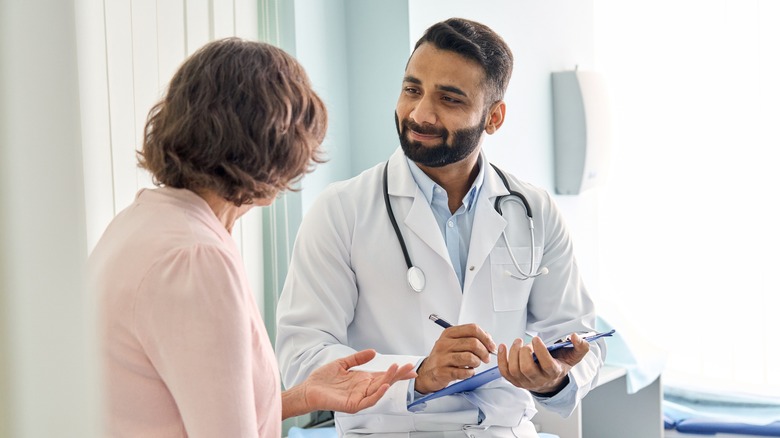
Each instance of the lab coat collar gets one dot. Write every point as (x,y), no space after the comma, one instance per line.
(401,182)
(428,186)
(419,217)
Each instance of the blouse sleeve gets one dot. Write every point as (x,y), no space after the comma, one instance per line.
(194,324)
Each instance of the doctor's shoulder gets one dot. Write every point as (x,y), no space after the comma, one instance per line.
(345,199)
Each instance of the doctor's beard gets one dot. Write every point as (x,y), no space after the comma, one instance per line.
(464,142)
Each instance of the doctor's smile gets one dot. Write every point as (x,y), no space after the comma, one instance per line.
(423,133)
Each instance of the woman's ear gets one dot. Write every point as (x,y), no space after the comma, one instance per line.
(495,117)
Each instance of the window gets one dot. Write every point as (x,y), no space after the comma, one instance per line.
(690,226)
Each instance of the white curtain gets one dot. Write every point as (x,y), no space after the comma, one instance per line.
(128,52)
(689,222)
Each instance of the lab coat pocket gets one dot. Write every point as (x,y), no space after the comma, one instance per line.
(510,293)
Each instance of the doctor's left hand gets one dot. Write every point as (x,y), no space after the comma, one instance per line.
(549,374)
(333,387)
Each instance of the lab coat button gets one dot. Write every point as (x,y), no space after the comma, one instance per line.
(471,268)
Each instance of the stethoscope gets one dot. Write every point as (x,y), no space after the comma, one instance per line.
(416,277)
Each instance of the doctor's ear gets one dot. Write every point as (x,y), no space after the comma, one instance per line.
(495,117)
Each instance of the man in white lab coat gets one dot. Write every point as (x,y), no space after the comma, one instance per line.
(347,288)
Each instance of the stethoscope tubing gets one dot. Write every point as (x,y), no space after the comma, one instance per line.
(393,221)
(416,277)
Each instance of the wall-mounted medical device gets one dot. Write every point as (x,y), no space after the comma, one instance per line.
(582,125)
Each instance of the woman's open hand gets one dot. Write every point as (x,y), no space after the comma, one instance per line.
(333,387)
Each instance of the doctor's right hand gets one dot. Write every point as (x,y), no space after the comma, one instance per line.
(458,351)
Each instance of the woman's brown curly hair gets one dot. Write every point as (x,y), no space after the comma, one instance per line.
(239,118)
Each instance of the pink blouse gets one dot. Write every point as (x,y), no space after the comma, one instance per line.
(184,348)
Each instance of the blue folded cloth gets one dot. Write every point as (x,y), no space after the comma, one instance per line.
(685,403)
(710,427)
(669,422)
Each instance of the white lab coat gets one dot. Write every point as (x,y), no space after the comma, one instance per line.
(346,290)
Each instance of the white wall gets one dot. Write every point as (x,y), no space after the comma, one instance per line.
(47,345)
(354,52)
(378,46)
(321,47)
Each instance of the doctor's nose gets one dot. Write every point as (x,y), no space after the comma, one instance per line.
(423,112)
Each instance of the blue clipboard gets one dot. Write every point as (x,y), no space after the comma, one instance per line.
(567,342)
(491,374)
(469,384)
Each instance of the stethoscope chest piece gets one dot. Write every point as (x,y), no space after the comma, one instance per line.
(416,278)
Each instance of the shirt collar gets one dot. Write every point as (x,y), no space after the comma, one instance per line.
(428,186)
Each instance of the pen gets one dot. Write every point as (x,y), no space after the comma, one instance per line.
(435,318)
(444,324)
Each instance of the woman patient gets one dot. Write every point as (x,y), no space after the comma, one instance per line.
(184,348)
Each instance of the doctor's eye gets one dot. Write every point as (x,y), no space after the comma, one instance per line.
(410,90)
(450,99)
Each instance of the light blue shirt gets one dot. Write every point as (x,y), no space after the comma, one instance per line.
(455,227)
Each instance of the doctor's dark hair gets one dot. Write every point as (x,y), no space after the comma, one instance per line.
(239,118)
(479,43)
